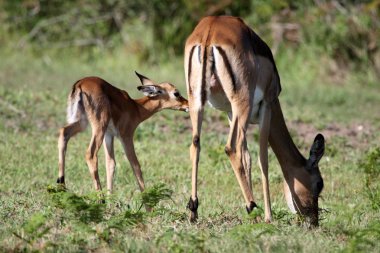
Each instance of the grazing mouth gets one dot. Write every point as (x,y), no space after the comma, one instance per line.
(179,109)
(311,215)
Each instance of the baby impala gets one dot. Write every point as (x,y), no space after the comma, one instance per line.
(111,113)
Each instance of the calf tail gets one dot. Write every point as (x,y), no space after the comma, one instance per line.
(75,107)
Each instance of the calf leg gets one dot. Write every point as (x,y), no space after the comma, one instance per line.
(65,133)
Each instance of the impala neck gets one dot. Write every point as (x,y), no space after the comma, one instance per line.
(282,144)
(147,107)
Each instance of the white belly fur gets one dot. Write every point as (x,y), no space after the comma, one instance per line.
(219,101)
(289,198)
(111,129)
(255,113)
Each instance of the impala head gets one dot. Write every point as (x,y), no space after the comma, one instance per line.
(308,184)
(168,95)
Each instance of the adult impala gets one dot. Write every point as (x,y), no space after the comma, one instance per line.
(229,66)
(111,113)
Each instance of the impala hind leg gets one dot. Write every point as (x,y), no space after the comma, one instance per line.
(237,151)
(92,154)
(264,128)
(110,161)
(65,133)
(196,117)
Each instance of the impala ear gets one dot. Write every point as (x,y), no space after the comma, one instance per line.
(150,90)
(144,80)
(316,152)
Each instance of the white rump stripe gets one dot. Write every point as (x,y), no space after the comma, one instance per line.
(196,79)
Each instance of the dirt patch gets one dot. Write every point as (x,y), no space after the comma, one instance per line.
(357,135)
(354,135)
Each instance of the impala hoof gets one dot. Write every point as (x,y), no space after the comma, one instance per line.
(193,216)
(193,206)
(101,201)
(61,180)
(251,206)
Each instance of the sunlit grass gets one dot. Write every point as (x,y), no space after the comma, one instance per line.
(37,86)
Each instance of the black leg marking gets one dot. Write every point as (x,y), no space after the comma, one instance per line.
(189,68)
(203,87)
(196,141)
(228,66)
(61,180)
(193,204)
(228,151)
(251,206)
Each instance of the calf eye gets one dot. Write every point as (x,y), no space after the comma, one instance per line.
(176,94)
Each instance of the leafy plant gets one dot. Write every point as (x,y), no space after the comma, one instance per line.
(84,214)
(152,196)
(82,208)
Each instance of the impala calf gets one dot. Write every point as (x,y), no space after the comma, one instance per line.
(228,65)
(111,113)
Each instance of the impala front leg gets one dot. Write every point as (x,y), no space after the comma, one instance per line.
(246,158)
(110,161)
(247,165)
(265,117)
(129,149)
(237,151)
(195,147)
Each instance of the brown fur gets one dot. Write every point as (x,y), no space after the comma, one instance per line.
(112,112)
(236,64)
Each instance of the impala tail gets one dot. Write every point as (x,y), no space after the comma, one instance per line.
(199,60)
(75,108)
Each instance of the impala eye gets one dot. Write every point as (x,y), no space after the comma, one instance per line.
(176,94)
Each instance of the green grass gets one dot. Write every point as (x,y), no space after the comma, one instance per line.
(36,217)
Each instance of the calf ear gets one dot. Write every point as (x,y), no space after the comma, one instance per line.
(144,80)
(149,90)
(316,152)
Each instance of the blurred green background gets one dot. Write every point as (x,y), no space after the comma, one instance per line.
(346,31)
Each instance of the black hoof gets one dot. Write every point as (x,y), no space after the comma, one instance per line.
(250,207)
(193,206)
(61,180)
(101,201)
(193,216)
